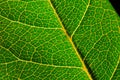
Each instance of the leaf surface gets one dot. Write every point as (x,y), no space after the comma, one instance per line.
(59,39)
(97,37)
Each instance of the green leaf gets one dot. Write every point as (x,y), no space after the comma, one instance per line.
(59,40)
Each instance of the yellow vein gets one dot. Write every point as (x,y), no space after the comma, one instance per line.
(70,39)
(28,24)
(42,64)
(81,20)
(50,64)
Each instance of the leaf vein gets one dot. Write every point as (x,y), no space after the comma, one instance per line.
(81,19)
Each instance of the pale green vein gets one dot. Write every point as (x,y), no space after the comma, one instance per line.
(22,1)
(81,20)
(10,52)
(51,65)
(115,68)
(29,25)
(18,59)
(57,66)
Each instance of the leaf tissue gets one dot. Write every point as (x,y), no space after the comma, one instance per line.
(59,40)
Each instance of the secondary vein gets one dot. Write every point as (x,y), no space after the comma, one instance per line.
(31,26)
(81,20)
(42,64)
(115,68)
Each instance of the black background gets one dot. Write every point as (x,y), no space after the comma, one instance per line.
(116,5)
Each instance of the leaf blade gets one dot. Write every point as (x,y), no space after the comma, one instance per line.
(36,45)
(99,31)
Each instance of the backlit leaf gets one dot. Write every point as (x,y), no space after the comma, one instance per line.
(59,40)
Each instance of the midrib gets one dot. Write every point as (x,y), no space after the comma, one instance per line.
(70,39)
